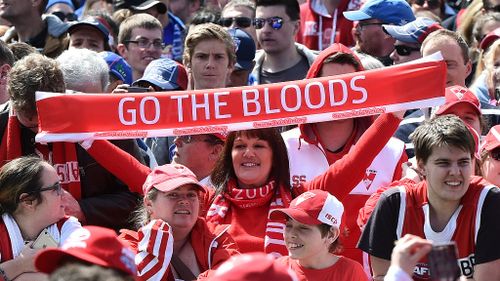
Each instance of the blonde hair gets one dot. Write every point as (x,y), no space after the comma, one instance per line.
(208,31)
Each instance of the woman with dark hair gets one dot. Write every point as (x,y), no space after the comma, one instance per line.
(32,215)
(252,178)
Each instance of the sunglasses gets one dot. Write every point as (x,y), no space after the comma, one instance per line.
(69,16)
(432,4)
(495,154)
(362,25)
(190,139)
(275,22)
(404,50)
(242,22)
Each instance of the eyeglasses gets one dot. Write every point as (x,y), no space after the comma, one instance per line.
(56,186)
(362,25)
(432,4)
(495,154)
(145,43)
(242,22)
(275,22)
(404,50)
(62,16)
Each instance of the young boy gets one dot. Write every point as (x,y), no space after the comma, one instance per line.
(311,237)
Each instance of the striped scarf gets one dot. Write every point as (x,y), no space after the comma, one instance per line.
(277,198)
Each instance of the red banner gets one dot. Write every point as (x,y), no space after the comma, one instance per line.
(76,117)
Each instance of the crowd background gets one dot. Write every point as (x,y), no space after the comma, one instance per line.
(361,198)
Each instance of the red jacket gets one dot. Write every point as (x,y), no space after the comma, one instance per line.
(212,245)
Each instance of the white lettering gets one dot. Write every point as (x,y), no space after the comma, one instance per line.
(268,104)
(246,101)
(307,95)
(332,92)
(142,110)
(180,113)
(298,96)
(360,89)
(219,104)
(203,105)
(132,112)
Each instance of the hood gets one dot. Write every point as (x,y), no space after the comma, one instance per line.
(306,131)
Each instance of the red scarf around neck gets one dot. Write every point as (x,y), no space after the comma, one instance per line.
(62,157)
(277,198)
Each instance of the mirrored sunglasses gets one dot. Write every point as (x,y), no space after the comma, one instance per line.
(275,22)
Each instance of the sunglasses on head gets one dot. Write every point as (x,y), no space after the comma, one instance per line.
(275,22)
(62,16)
(495,154)
(242,22)
(404,50)
(432,4)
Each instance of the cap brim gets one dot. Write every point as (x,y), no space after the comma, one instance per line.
(172,184)
(50,259)
(398,33)
(491,146)
(163,85)
(246,65)
(295,214)
(160,6)
(445,107)
(356,15)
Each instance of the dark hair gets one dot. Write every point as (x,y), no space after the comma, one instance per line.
(205,15)
(344,58)
(21,175)
(442,131)
(336,246)
(443,34)
(6,55)
(21,49)
(33,73)
(280,171)
(480,21)
(292,7)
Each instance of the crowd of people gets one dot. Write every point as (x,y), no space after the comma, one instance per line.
(360,198)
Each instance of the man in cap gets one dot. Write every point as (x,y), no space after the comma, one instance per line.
(164,74)
(90,33)
(409,38)
(120,71)
(368,33)
(245,54)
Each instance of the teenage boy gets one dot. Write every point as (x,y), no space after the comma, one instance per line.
(449,204)
(311,237)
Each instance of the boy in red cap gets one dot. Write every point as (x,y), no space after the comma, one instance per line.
(311,237)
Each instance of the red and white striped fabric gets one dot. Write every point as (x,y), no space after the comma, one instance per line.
(154,251)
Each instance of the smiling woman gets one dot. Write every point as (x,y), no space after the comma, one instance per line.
(31,206)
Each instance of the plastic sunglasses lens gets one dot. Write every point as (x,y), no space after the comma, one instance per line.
(276,23)
(243,22)
(259,23)
(402,50)
(226,22)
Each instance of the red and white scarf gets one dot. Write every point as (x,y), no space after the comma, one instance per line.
(62,157)
(277,198)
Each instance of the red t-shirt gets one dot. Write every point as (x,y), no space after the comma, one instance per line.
(344,269)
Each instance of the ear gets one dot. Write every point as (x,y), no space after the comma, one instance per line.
(4,73)
(468,67)
(296,27)
(122,50)
(421,166)
(333,234)
(216,151)
(148,204)
(25,201)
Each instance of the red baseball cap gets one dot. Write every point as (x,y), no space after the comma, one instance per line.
(314,208)
(92,244)
(253,266)
(458,94)
(492,139)
(489,39)
(169,177)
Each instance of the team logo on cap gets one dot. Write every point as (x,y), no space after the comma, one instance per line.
(237,43)
(459,92)
(369,177)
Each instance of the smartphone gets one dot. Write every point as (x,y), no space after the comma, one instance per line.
(44,240)
(443,263)
(135,89)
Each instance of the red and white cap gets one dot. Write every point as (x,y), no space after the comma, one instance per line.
(169,177)
(313,207)
(92,244)
(253,266)
(458,94)
(492,139)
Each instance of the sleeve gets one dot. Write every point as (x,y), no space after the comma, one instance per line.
(343,175)
(118,162)
(377,239)
(226,247)
(154,251)
(70,225)
(398,172)
(395,273)
(487,246)
(106,201)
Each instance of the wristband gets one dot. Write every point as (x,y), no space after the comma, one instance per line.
(3,275)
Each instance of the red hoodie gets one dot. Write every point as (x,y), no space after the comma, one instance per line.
(376,173)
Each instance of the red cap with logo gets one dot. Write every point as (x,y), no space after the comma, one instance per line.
(313,207)
(458,94)
(92,244)
(253,266)
(492,139)
(169,177)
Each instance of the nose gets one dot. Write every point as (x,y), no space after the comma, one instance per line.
(394,56)
(210,62)
(233,24)
(454,169)
(248,152)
